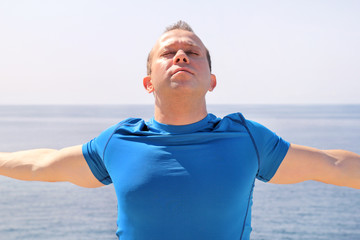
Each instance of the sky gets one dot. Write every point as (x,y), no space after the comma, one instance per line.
(263,51)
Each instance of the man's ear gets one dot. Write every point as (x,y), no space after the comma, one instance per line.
(148,84)
(212,82)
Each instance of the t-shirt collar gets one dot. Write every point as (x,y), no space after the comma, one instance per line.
(179,129)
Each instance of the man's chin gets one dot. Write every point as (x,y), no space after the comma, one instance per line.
(182,83)
(185,88)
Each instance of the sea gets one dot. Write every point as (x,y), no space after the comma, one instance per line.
(303,211)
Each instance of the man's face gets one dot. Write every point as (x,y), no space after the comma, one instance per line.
(179,65)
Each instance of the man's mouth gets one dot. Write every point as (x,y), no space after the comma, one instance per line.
(178,70)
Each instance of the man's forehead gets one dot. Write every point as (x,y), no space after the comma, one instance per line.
(179,37)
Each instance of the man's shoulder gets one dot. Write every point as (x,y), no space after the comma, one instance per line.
(236,118)
(130,122)
(130,126)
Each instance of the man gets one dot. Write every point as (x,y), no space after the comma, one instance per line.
(185,174)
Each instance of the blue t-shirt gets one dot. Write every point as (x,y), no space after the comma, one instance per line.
(185,182)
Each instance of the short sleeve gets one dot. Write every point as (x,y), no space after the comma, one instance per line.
(93,152)
(271,150)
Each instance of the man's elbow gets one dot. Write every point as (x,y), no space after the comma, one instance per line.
(344,170)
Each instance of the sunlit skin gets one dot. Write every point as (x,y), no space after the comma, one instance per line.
(180,78)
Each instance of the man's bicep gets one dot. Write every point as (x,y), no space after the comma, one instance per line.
(69,165)
(303,163)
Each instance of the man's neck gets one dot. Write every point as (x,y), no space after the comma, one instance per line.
(180,112)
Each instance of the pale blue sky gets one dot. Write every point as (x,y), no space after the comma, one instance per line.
(94,51)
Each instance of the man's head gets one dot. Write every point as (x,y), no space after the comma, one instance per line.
(180,67)
(180,25)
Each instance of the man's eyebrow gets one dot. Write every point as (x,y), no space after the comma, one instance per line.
(174,44)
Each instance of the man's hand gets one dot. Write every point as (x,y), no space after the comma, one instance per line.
(49,165)
(337,167)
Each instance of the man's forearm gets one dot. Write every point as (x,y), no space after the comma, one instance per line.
(25,165)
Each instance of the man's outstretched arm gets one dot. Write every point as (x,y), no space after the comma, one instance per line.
(337,167)
(49,165)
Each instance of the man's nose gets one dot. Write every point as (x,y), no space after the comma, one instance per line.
(181,57)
